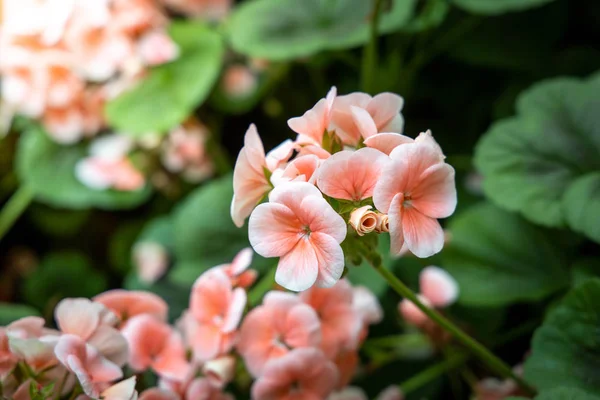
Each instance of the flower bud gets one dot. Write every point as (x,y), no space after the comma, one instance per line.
(383,224)
(363,220)
(220,371)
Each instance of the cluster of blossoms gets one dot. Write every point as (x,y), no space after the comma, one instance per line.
(295,346)
(349,165)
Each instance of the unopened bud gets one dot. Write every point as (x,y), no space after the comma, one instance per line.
(363,220)
(220,371)
(383,223)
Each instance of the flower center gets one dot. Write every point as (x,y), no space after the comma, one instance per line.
(305,232)
(407,202)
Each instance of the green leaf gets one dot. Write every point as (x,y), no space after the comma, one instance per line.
(566,348)
(498,258)
(581,206)
(204,234)
(432,15)
(49,170)
(561,394)
(60,275)
(170,92)
(289,29)
(530,161)
(584,270)
(11,312)
(494,7)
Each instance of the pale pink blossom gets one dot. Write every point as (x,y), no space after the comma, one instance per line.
(301,169)
(416,187)
(205,9)
(158,394)
(346,363)
(312,126)
(154,344)
(301,374)
(220,371)
(351,175)
(250,184)
(91,368)
(238,271)
(184,151)
(127,304)
(363,220)
(365,303)
(30,342)
(239,81)
(301,228)
(156,47)
(215,312)
(413,314)
(151,260)
(271,330)
(438,286)
(124,390)
(348,113)
(340,323)
(280,154)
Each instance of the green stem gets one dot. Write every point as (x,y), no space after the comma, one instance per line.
(431,373)
(14,207)
(369,62)
(262,287)
(495,364)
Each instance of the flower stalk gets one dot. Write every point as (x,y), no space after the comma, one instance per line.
(14,207)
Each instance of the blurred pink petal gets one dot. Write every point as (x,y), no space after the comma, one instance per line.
(438,286)
(411,313)
(312,125)
(129,303)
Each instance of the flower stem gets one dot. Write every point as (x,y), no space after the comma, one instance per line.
(493,362)
(14,207)
(369,61)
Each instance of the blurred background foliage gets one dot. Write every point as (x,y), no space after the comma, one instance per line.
(509,91)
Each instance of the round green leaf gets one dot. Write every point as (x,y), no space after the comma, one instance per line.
(288,29)
(585,269)
(581,206)
(170,92)
(530,161)
(60,275)
(561,394)
(12,312)
(494,7)
(498,258)
(566,348)
(49,170)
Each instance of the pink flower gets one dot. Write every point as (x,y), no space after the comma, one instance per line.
(30,342)
(301,169)
(301,374)
(130,303)
(220,371)
(351,175)
(151,260)
(158,394)
(124,390)
(314,123)
(238,271)
(94,324)
(204,389)
(415,189)
(250,184)
(349,393)
(239,81)
(340,323)
(347,115)
(271,330)
(154,344)
(298,225)
(438,286)
(346,362)
(184,152)
(412,313)
(157,48)
(215,312)
(90,367)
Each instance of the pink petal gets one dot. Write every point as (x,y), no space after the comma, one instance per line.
(435,195)
(395,220)
(158,394)
(110,343)
(424,236)
(364,122)
(79,317)
(129,303)
(211,296)
(280,154)
(303,328)
(411,313)
(385,110)
(365,303)
(146,337)
(171,362)
(242,261)
(206,342)
(330,257)
(352,175)
(124,390)
(386,142)
(273,230)
(438,286)
(99,368)
(235,311)
(321,217)
(299,268)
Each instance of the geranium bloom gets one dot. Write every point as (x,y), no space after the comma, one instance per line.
(301,374)
(384,109)
(301,169)
(415,189)
(129,303)
(90,367)
(154,344)
(438,286)
(351,175)
(269,331)
(30,342)
(184,152)
(157,48)
(151,260)
(412,313)
(238,270)
(314,123)
(340,323)
(239,81)
(220,371)
(298,225)
(215,312)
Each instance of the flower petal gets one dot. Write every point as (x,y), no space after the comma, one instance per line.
(438,286)
(435,195)
(424,236)
(273,229)
(298,269)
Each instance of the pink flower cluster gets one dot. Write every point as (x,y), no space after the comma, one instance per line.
(61,60)
(349,164)
(295,346)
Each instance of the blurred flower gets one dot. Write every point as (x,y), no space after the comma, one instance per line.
(239,81)
(238,270)
(127,304)
(151,260)
(184,152)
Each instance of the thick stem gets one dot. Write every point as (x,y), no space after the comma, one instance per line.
(369,62)
(14,207)
(493,362)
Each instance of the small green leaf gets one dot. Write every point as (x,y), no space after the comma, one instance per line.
(49,170)
(11,312)
(494,7)
(585,269)
(60,275)
(170,92)
(566,348)
(581,206)
(498,258)
(303,28)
